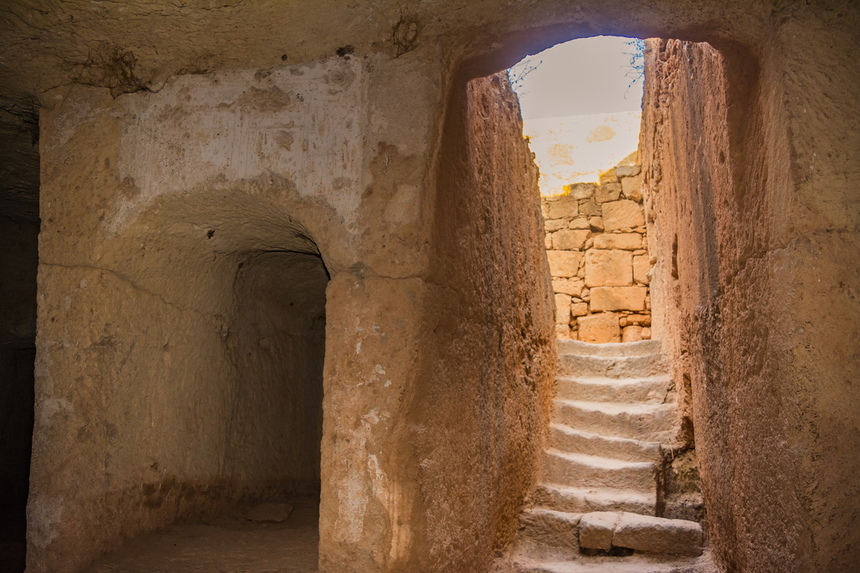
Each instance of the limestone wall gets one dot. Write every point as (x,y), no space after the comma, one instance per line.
(153,134)
(181,307)
(597,244)
(193,352)
(491,354)
(757,242)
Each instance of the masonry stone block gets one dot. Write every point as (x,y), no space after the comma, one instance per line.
(581,190)
(599,328)
(626,241)
(618,298)
(568,239)
(641,266)
(562,308)
(552,225)
(632,187)
(580,223)
(631,333)
(563,207)
(607,192)
(628,170)
(657,535)
(578,309)
(563,264)
(610,176)
(622,214)
(572,287)
(596,528)
(608,268)
(589,207)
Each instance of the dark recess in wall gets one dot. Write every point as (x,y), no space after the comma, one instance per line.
(19,233)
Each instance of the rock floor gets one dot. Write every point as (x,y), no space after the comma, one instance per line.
(224,544)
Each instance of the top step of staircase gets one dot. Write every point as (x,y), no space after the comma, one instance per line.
(610,349)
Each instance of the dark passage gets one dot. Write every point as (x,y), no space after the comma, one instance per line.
(16,431)
(19,233)
(278,344)
(18,262)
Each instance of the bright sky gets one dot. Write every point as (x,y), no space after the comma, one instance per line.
(581,109)
(581,77)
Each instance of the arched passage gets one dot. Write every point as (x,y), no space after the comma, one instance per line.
(201,347)
(277,343)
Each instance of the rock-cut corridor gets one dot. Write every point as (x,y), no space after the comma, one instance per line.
(281,252)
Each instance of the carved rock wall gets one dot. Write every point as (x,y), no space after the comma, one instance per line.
(745,230)
(766,261)
(188,238)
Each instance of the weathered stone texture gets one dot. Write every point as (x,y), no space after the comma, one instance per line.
(488,321)
(599,327)
(582,253)
(641,268)
(631,333)
(322,130)
(753,198)
(564,264)
(622,214)
(221,397)
(608,268)
(626,241)
(632,187)
(655,535)
(563,208)
(596,529)
(569,239)
(562,308)
(573,287)
(618,298)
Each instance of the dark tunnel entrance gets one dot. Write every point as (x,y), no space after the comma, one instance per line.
(19,235)
(277,341)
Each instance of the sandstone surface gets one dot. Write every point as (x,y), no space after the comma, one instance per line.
(337,153)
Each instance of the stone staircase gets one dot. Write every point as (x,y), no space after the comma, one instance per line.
(596,507)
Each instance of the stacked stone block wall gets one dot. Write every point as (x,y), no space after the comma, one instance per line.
(597,245)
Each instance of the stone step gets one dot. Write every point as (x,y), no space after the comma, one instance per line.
(548,534)
(639,348)
(647,422)
(643,533)
(588,499)
(579,470)
(566,439)
(612,366)
(633,564)
(648,389)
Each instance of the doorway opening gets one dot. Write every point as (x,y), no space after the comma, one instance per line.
(277,343)
(236,399)
(582,106)
(19,235)
(616,389)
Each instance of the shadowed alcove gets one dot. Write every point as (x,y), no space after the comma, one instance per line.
(277,340)
(212,406)
(19,236)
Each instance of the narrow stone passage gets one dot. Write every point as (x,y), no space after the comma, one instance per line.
(597,505)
